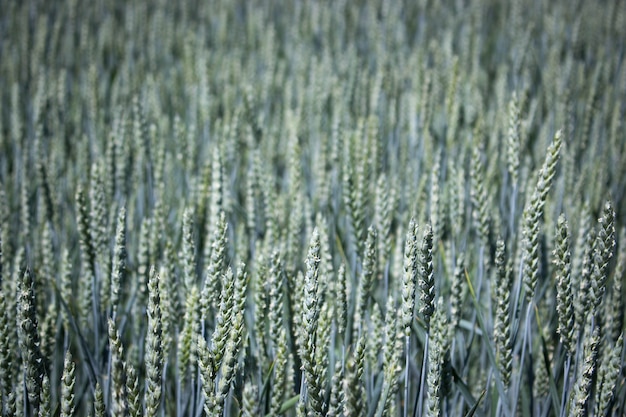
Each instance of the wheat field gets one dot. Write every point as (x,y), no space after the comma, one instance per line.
(312,208)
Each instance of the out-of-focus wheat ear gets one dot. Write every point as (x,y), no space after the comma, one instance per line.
(65,287)
(99,406)
(585,378)
(513,140)
(426,93)
(366,281)
(341,301)
(261,294)
(533,213)
(355,400)
(98,215)
(159,227)
(88,255)
(171,296)
(119,392)
(615,306)
(188,249)
(456,197)
(276,296)
(140,132)
(590,110)
(479,198)
(25,221)
(541,381)
(215,267)
(143,272)
(582,302)
(603,252)
(351,196)
(426,279)
(48,335)
(28,336)
(436,204)
(216,204)
(607,378)
(47,270)
(295,215)
(44,398)
(452,103)
(111,163)
(154,348)
(376,336)
(271,224)
(564,297)
(502,322)
(4,231)
(68,380)
(457,293)
(121,155)
(186,347)
(241,245)
(280,382)
(385,206)
(392,358)
(223,318)
(335,402)
(118,266)
(207,374)
(251,200)
(249,400)
(87,258)
(409,277)
(18,398)
(135,407)
(579,247)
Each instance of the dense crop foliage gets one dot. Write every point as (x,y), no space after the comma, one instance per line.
(312,208)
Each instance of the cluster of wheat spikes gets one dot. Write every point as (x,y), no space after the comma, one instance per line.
(312,208)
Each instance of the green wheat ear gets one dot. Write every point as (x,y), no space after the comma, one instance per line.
(607,377)
(119,392)
(310,319)
(28,337)
(154,347)
(427,278)
(67,388)
(565,300)
(502,323)
(409,278)
(45,400)
(99,406)
(604,249)
(533,214)
(366,280)
(584,381)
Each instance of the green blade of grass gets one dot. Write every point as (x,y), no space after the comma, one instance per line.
(472,410)
(289,404)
